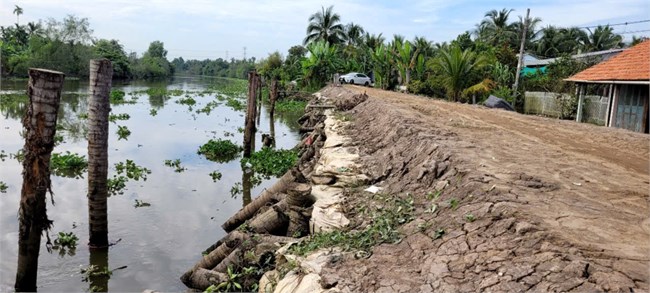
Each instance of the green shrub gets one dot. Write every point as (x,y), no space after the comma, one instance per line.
(117,97)
(290,106)
(220,150)
(271,162)
(68,165)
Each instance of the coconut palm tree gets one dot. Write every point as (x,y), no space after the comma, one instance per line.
(455,65)
(18,11)
(570,40)
(548,43)
(353,34)
(424,46)
(531,32)
(494,28)
(373,41)
(325,25)
(602,38)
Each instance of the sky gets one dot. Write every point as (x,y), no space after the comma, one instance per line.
(200,29)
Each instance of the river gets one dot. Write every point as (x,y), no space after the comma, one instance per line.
(159,242)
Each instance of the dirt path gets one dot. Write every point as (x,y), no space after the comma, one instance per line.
(559,205)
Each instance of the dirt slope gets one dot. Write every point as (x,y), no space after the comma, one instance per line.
(543,204)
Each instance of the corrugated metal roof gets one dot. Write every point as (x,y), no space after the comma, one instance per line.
(541,62)
(632,64)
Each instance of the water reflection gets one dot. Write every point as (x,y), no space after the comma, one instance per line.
(272,129)
(158,101)
(15,110)
(169,234)
(98,282)
(246,185)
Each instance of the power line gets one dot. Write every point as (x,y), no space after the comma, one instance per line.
(617,24)
(632,32)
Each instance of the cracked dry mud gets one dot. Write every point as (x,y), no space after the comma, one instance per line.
(555,205)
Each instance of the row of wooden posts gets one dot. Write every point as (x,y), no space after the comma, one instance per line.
(252,110)
(39,122)
(44,91)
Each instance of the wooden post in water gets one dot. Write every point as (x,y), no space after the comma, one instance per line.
(251,113)
(260,83)
(101,74)
(273,95)
(44,91)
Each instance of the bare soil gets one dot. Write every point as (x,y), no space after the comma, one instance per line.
(542,204)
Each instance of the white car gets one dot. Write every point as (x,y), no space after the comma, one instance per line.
(355,78)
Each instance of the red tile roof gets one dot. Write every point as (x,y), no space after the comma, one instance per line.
(631,64)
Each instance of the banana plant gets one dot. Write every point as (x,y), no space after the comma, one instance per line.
(381,58)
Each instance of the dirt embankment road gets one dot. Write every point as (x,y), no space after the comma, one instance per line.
(559,205)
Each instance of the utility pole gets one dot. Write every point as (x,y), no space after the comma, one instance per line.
(521,57)
(244,53)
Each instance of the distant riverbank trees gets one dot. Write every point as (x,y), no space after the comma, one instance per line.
(68,46)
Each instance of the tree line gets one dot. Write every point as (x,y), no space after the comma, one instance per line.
(479,62)
(68,45)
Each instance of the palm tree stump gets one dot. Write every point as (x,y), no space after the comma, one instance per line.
(101,73)
(44,91)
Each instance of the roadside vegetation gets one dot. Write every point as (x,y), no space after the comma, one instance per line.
(480,62)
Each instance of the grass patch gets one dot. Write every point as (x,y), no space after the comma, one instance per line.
(153,112)
(215,175)
(68,165)
(176,164)
(384,222)
(3,187)
(208,107)
(123,132)
(157,92)
(290,105)
(189,101)
(132,170)
(235,104)
(236,189)
(118,97)
(220,150)
(272,162)
(229,86)
(65,243)
(115,117)
(116,185)
(175,92)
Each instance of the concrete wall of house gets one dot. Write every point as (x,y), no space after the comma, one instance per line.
(549,104)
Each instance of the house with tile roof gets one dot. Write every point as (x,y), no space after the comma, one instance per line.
(628,77)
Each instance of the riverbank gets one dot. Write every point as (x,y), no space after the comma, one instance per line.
(501,201)
(428,195)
